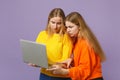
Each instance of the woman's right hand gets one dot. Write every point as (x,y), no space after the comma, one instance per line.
(33,65)
(66,62)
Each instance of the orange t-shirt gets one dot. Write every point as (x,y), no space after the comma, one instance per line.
(87,64)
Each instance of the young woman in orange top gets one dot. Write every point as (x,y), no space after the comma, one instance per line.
(87,52)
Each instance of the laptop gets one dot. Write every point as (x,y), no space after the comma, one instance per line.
(33,52)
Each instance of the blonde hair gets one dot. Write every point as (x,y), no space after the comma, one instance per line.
(86,33)
(56,12)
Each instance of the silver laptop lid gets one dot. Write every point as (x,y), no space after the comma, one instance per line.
(34,52)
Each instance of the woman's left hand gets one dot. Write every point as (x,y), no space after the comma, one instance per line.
(58,69)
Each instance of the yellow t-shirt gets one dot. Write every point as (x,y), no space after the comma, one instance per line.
(58,47)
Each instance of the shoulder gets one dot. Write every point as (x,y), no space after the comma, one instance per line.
(42,33)
(41,36)
(66,37)
(83,43)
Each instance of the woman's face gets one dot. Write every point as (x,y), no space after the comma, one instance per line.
(55,24)
(72,29)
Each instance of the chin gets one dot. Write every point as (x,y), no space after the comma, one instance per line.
(71,35)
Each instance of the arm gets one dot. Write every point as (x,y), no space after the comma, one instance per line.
(79,69)
(85,61)
(83,69)
(67,48)
(66,51)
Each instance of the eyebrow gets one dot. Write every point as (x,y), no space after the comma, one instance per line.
(57,22)
(69,26)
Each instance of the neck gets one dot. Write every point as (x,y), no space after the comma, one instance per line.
(74,40)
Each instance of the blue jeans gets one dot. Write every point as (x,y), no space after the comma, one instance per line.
(45,77)
(101,78)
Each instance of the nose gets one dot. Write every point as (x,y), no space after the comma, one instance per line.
(68,30)
(55,26)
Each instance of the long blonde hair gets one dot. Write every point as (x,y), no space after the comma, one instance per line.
(56,12)
(86,33)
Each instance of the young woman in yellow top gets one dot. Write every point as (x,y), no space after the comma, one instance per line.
(57,42)
(87,52)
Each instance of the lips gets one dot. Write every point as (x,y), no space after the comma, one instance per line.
(69,33)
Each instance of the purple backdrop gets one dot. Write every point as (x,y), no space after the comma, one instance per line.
(25,18)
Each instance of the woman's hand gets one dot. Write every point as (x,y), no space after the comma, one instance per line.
(58,69)
(33,65)
(67,62)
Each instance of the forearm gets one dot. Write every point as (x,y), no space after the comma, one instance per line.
(57,69)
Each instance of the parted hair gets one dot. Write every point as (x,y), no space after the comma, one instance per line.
(56,12)
(86,33)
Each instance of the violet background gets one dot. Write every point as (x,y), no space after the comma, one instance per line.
(25,18)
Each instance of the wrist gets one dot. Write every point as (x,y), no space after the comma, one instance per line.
(65,71)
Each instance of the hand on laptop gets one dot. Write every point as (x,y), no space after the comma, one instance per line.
(58,68)
(33,65)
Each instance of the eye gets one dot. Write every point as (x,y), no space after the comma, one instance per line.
(70,26)
(53,22)
(59,23)
(66,26)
